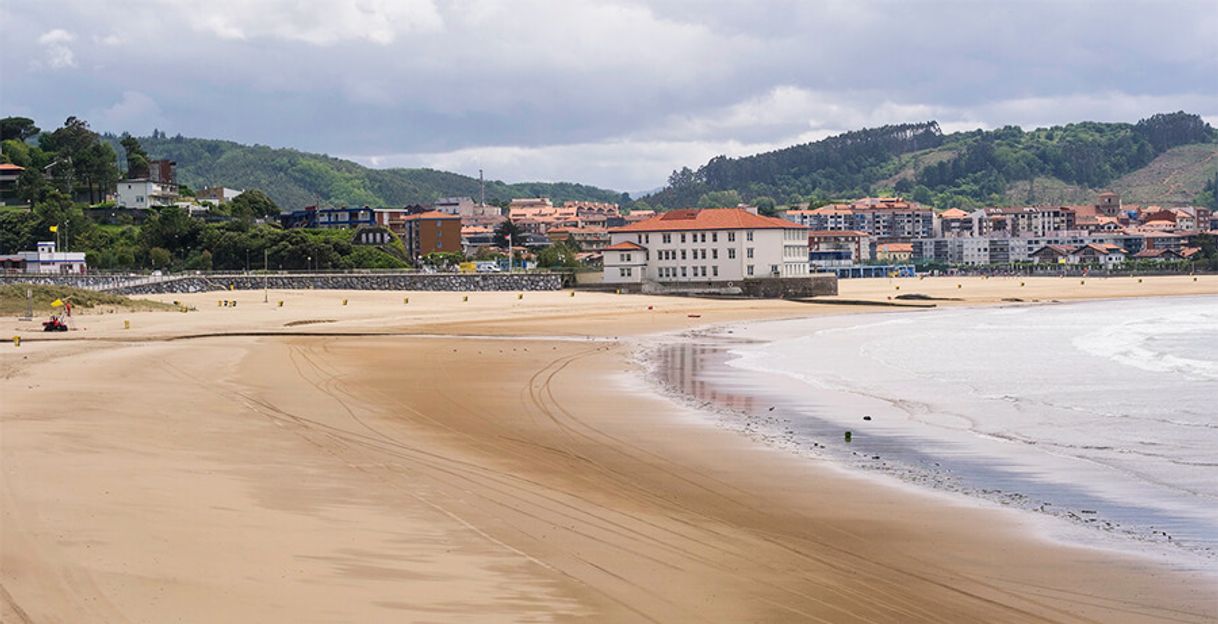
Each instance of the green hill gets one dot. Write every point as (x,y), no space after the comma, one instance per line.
(295,179)
(1165,159)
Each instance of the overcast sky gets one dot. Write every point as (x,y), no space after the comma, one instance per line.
(607,92)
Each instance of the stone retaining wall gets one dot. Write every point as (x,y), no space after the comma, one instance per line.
(358,281)
(817,285)
(87,282)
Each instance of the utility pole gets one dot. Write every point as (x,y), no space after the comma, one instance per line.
(265,266)
(481,190)
(509,251)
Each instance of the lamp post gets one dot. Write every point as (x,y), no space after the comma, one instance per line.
(265,266)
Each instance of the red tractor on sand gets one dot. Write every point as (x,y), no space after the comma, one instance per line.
(56,324)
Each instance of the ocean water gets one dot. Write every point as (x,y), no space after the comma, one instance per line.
(1103,414)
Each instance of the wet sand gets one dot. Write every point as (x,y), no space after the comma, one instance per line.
(424,476)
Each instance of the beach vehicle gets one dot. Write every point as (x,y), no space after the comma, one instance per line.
(56,324)
(488,267)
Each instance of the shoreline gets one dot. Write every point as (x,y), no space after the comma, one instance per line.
(744,400)
(347,478)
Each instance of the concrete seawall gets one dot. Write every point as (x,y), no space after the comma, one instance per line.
(763,288)
(817,285)
(145,285)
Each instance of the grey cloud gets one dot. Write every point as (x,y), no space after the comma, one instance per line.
(610,93)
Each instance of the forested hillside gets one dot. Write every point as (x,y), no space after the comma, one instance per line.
(967,169)
(296,179)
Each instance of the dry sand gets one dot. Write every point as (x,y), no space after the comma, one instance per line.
(389,462)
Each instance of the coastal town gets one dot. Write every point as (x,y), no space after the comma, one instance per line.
(873,236)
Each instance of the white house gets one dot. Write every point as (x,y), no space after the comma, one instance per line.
(143,193)
(706,245)
(45,259)
(217,194)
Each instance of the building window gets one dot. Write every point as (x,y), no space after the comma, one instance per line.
(748,252)
(715,254)
(714,237)
(715,270)
(683,272)
(749,270)
(773,268)
(682,254)
(731,237)
(682,237)
(748,236)
(625,271)
(625,257)
(703,238)
(731,253)
(667,238)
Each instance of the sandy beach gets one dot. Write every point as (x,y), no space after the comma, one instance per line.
(354,456)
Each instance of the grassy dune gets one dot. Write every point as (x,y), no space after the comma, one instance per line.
(13,300)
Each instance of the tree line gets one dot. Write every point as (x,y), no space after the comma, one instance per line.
(965,169)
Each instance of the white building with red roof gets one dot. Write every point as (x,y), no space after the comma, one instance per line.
(706,245)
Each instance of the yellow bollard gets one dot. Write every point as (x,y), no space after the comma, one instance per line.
(16,341)
(126,324)
(617,291)
(231,286)
(405,300)
(219,303)
(344,302)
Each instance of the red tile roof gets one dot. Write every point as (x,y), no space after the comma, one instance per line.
(1156,253)
(625,246)
(10,167)
(895,247)
(709,219)
(1103,248)
(1061,250)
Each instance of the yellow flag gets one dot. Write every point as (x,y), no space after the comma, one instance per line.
(54,228)
(57,303)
